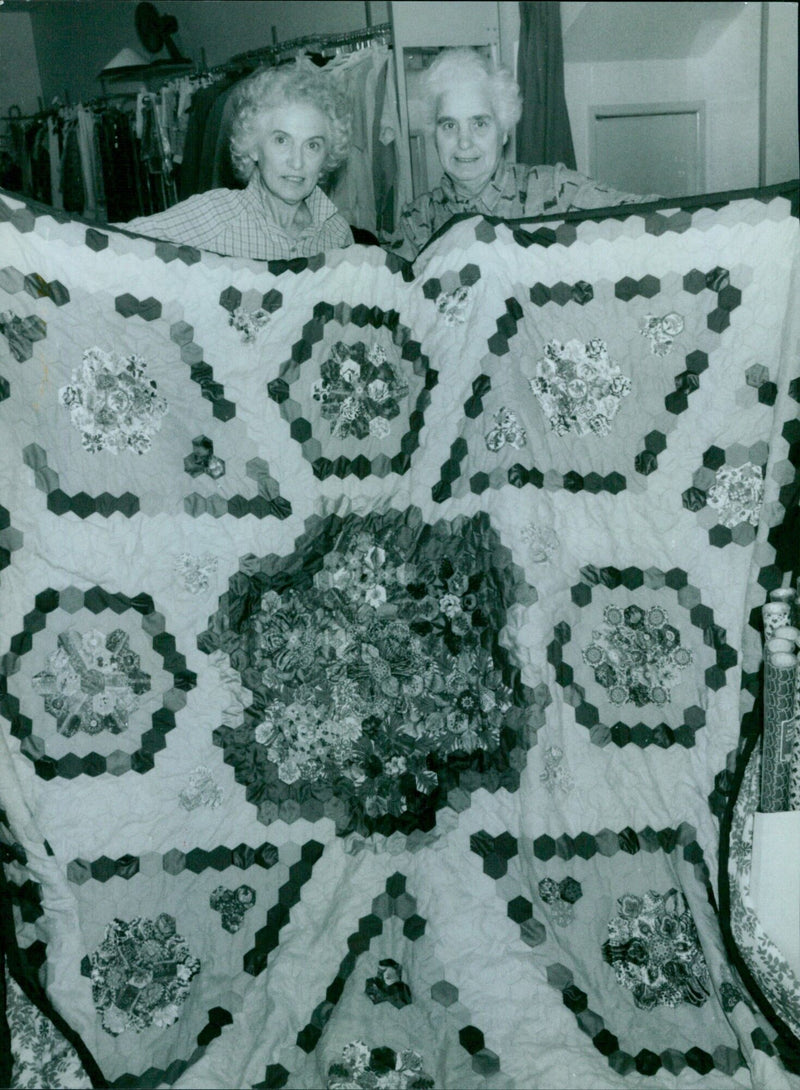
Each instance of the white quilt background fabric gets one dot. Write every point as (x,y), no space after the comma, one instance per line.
(592,797)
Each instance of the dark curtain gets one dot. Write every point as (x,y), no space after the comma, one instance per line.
(543,133)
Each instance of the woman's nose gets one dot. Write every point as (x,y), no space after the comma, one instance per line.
(464,137)
(296,156)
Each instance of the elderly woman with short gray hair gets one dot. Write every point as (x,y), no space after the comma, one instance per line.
(290,127)
(472,107)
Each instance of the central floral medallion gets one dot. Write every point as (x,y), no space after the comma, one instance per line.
(375,667)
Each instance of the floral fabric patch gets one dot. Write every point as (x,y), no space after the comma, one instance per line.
(556,775)
(202,790)
(92,682)
(248,322)
(359,390)
(21,332)
(561,897)
(196,571)
(636,658)
(232,905)
(113,404)
(507,429)
(579,387)
(203,460)
(454,305)
(378,1069)
(140,974)
(40,1055)
(730,996)
(655,951)
(541,541)
(662,331)
(388,985)
(737,494)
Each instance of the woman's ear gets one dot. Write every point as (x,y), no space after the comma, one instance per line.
(505,139)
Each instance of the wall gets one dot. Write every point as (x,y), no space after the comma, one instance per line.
(725,75)
(19,72)
(74,41)
(782,162)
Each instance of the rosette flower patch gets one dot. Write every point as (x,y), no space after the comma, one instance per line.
(637,656)
(92,682)
(579,387)
(113,403)
(737,494)
(359,390)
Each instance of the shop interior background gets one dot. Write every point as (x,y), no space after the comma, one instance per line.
(667,97)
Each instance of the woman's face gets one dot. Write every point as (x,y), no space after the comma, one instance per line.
(469,139)
(290,149)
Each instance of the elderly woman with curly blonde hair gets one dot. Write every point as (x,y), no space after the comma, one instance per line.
(471,107)
(289,128)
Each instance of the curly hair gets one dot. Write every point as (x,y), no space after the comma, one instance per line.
(453,66)
(271,87)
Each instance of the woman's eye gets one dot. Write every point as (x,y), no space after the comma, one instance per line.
(448,126)
(280,139)
(481,123)
(314,145)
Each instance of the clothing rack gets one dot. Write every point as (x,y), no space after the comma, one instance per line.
(253,57)
(96,103)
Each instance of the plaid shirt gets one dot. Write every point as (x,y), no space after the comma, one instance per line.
(515,190)
(234,222)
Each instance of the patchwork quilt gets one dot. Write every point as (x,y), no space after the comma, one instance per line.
(375,644)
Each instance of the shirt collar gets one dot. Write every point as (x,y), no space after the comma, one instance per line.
(319,205)
(486,200)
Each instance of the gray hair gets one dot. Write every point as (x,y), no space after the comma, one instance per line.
(271,87)
(456,65)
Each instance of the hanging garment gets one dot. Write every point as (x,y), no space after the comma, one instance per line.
(85,130)
(352,187)
(392,162)
(119,164)
(40,163)
(71,172)
(202,102)
(224,176)
(55,163)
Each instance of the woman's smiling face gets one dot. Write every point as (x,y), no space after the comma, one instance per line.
(469,139)
(290,149)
